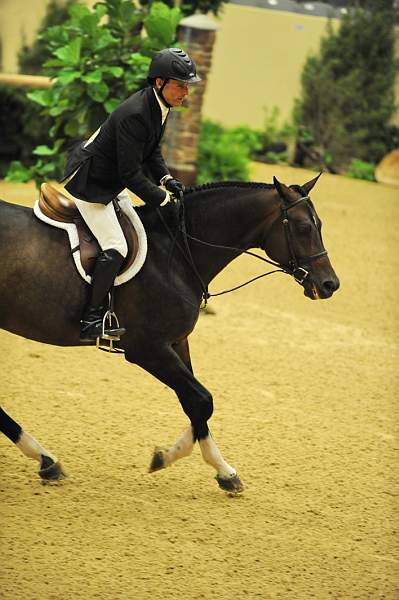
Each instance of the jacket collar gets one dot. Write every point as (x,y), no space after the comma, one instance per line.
(164,109)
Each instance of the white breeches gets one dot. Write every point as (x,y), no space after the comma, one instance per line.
(102,221)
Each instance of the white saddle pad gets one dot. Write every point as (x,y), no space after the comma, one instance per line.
(70,228)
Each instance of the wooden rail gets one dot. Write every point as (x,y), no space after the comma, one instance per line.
(29,81)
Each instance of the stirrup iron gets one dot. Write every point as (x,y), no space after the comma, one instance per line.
(107,321)
(110,321)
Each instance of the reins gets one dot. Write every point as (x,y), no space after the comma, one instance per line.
(186,252)
(241,251)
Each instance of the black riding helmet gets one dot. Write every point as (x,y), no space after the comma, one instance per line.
(172,63)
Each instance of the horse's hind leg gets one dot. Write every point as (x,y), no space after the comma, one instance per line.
(49,468)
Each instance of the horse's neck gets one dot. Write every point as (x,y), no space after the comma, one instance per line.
(233,217)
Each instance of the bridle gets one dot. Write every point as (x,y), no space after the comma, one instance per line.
(293,267)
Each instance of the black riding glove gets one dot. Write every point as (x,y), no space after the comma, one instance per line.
(175,187)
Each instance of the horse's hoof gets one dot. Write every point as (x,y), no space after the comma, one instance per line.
(50,470)
(158,461)
(232,484)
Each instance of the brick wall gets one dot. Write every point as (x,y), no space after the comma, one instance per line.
(197,36)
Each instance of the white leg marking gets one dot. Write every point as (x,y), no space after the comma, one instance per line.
(31,447)
(182,447)
(211,455)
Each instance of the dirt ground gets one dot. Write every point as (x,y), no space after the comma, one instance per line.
(306,409)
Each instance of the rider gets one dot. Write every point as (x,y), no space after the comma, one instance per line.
(125,153)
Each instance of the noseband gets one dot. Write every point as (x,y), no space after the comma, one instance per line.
(293,268)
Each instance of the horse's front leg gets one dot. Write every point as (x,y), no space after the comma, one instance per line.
(172,366)
(49,467)
(226,475)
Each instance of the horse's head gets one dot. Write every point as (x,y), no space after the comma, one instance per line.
(294,241)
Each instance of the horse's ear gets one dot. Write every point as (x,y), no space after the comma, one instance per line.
(310,184)
(284,191)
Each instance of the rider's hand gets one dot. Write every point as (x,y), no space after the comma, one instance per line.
(175,187)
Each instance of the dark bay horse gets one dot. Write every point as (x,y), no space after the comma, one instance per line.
(42,296)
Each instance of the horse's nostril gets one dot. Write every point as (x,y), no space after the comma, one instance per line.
(330,285)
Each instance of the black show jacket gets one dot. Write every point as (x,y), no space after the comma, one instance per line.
(125,151)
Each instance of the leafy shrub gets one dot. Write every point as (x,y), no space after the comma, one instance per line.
(249,138)
(276,157)
(224,154)
(359,169)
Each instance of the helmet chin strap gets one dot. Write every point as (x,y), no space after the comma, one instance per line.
(160,94)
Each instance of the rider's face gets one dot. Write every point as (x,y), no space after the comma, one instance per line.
(174,91)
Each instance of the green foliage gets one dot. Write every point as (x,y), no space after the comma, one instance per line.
(224,154)
(160,24)
(97,59)
(189,7)
(17,172)
(246,137)
(359,169)
(276,157)
(348,89)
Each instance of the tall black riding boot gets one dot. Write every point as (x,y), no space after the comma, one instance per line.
(106,269)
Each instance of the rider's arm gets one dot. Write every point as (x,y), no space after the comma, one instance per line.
(133,140)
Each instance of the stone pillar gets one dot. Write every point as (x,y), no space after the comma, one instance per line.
(395,119)
(197,35)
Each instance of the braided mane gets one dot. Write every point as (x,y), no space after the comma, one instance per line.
(227,184)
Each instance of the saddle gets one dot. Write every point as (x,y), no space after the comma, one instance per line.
(61,208)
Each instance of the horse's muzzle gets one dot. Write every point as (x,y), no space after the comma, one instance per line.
(321,290)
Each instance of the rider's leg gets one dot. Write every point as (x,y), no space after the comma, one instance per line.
(103,223)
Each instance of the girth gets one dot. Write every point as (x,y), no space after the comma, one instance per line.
(59,207)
